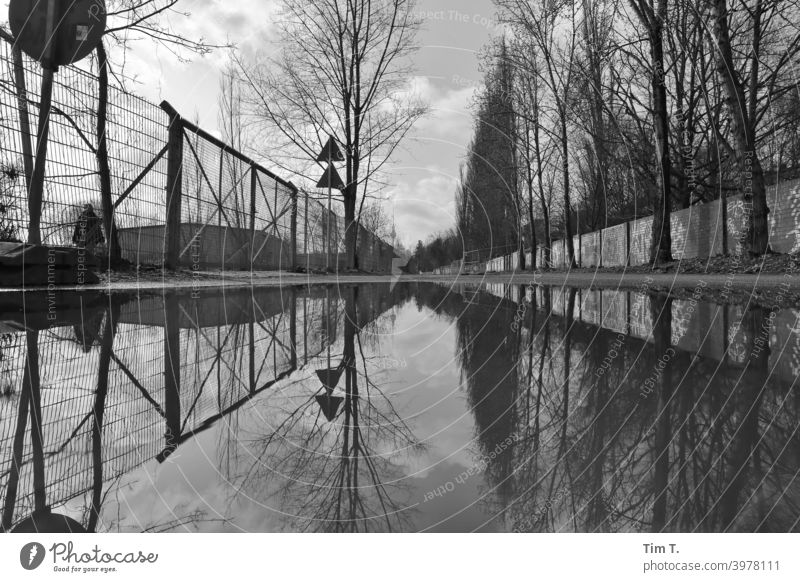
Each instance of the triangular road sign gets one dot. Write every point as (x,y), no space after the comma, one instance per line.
(329,405)
(329,377)
(331,179)
(331,152)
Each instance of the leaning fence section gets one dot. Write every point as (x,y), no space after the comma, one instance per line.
(179,196)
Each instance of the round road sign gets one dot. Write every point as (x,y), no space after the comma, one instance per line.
(78,27)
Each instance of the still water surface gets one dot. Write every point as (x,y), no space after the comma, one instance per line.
(414,408)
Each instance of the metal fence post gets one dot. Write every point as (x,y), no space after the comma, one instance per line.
(305,230)
(294,229)
(293,321)
(628,244)
(600,248)
(723,203)
(253,179)
(275,226)
(172,375)
(172,227)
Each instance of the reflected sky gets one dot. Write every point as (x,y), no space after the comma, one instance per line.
(415,407)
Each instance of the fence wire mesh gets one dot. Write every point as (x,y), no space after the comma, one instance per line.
(234,214)
(230,347)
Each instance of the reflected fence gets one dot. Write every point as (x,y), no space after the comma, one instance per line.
(177,195)
(124,381)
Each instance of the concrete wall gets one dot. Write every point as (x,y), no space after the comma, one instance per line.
(557,254)
(640,232)
(699,328)
(784,216)
(208,246)
(614,246)
(591,306)
(640,317)
(615,310)
(697,231)
(212,246)
(712,331)
(590,249)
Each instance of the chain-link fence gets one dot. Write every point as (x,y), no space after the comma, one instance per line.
(179,196)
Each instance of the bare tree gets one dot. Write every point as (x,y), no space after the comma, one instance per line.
(651,15)
(342,71)
(551,28)
(377,220)
(755,50)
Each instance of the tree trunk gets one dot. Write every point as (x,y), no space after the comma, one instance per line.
(545,210)
(661,241)
(24,115)
(661,314)
(531,218)
(743,126)
(109,225)
(567,203)
(600,170)
(540,182)
(351,226)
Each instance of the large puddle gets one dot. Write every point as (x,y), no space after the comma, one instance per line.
(407,408)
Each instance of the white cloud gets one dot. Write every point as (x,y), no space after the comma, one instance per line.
(424,205)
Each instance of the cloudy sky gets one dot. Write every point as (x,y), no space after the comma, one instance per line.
(423,175)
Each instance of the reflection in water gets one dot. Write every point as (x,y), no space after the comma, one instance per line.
(631,412)
(110,384)
(323,454)
(590,411)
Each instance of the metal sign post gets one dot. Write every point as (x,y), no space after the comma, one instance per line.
(54,34)
(42,134)
(328,237)
(330,153)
